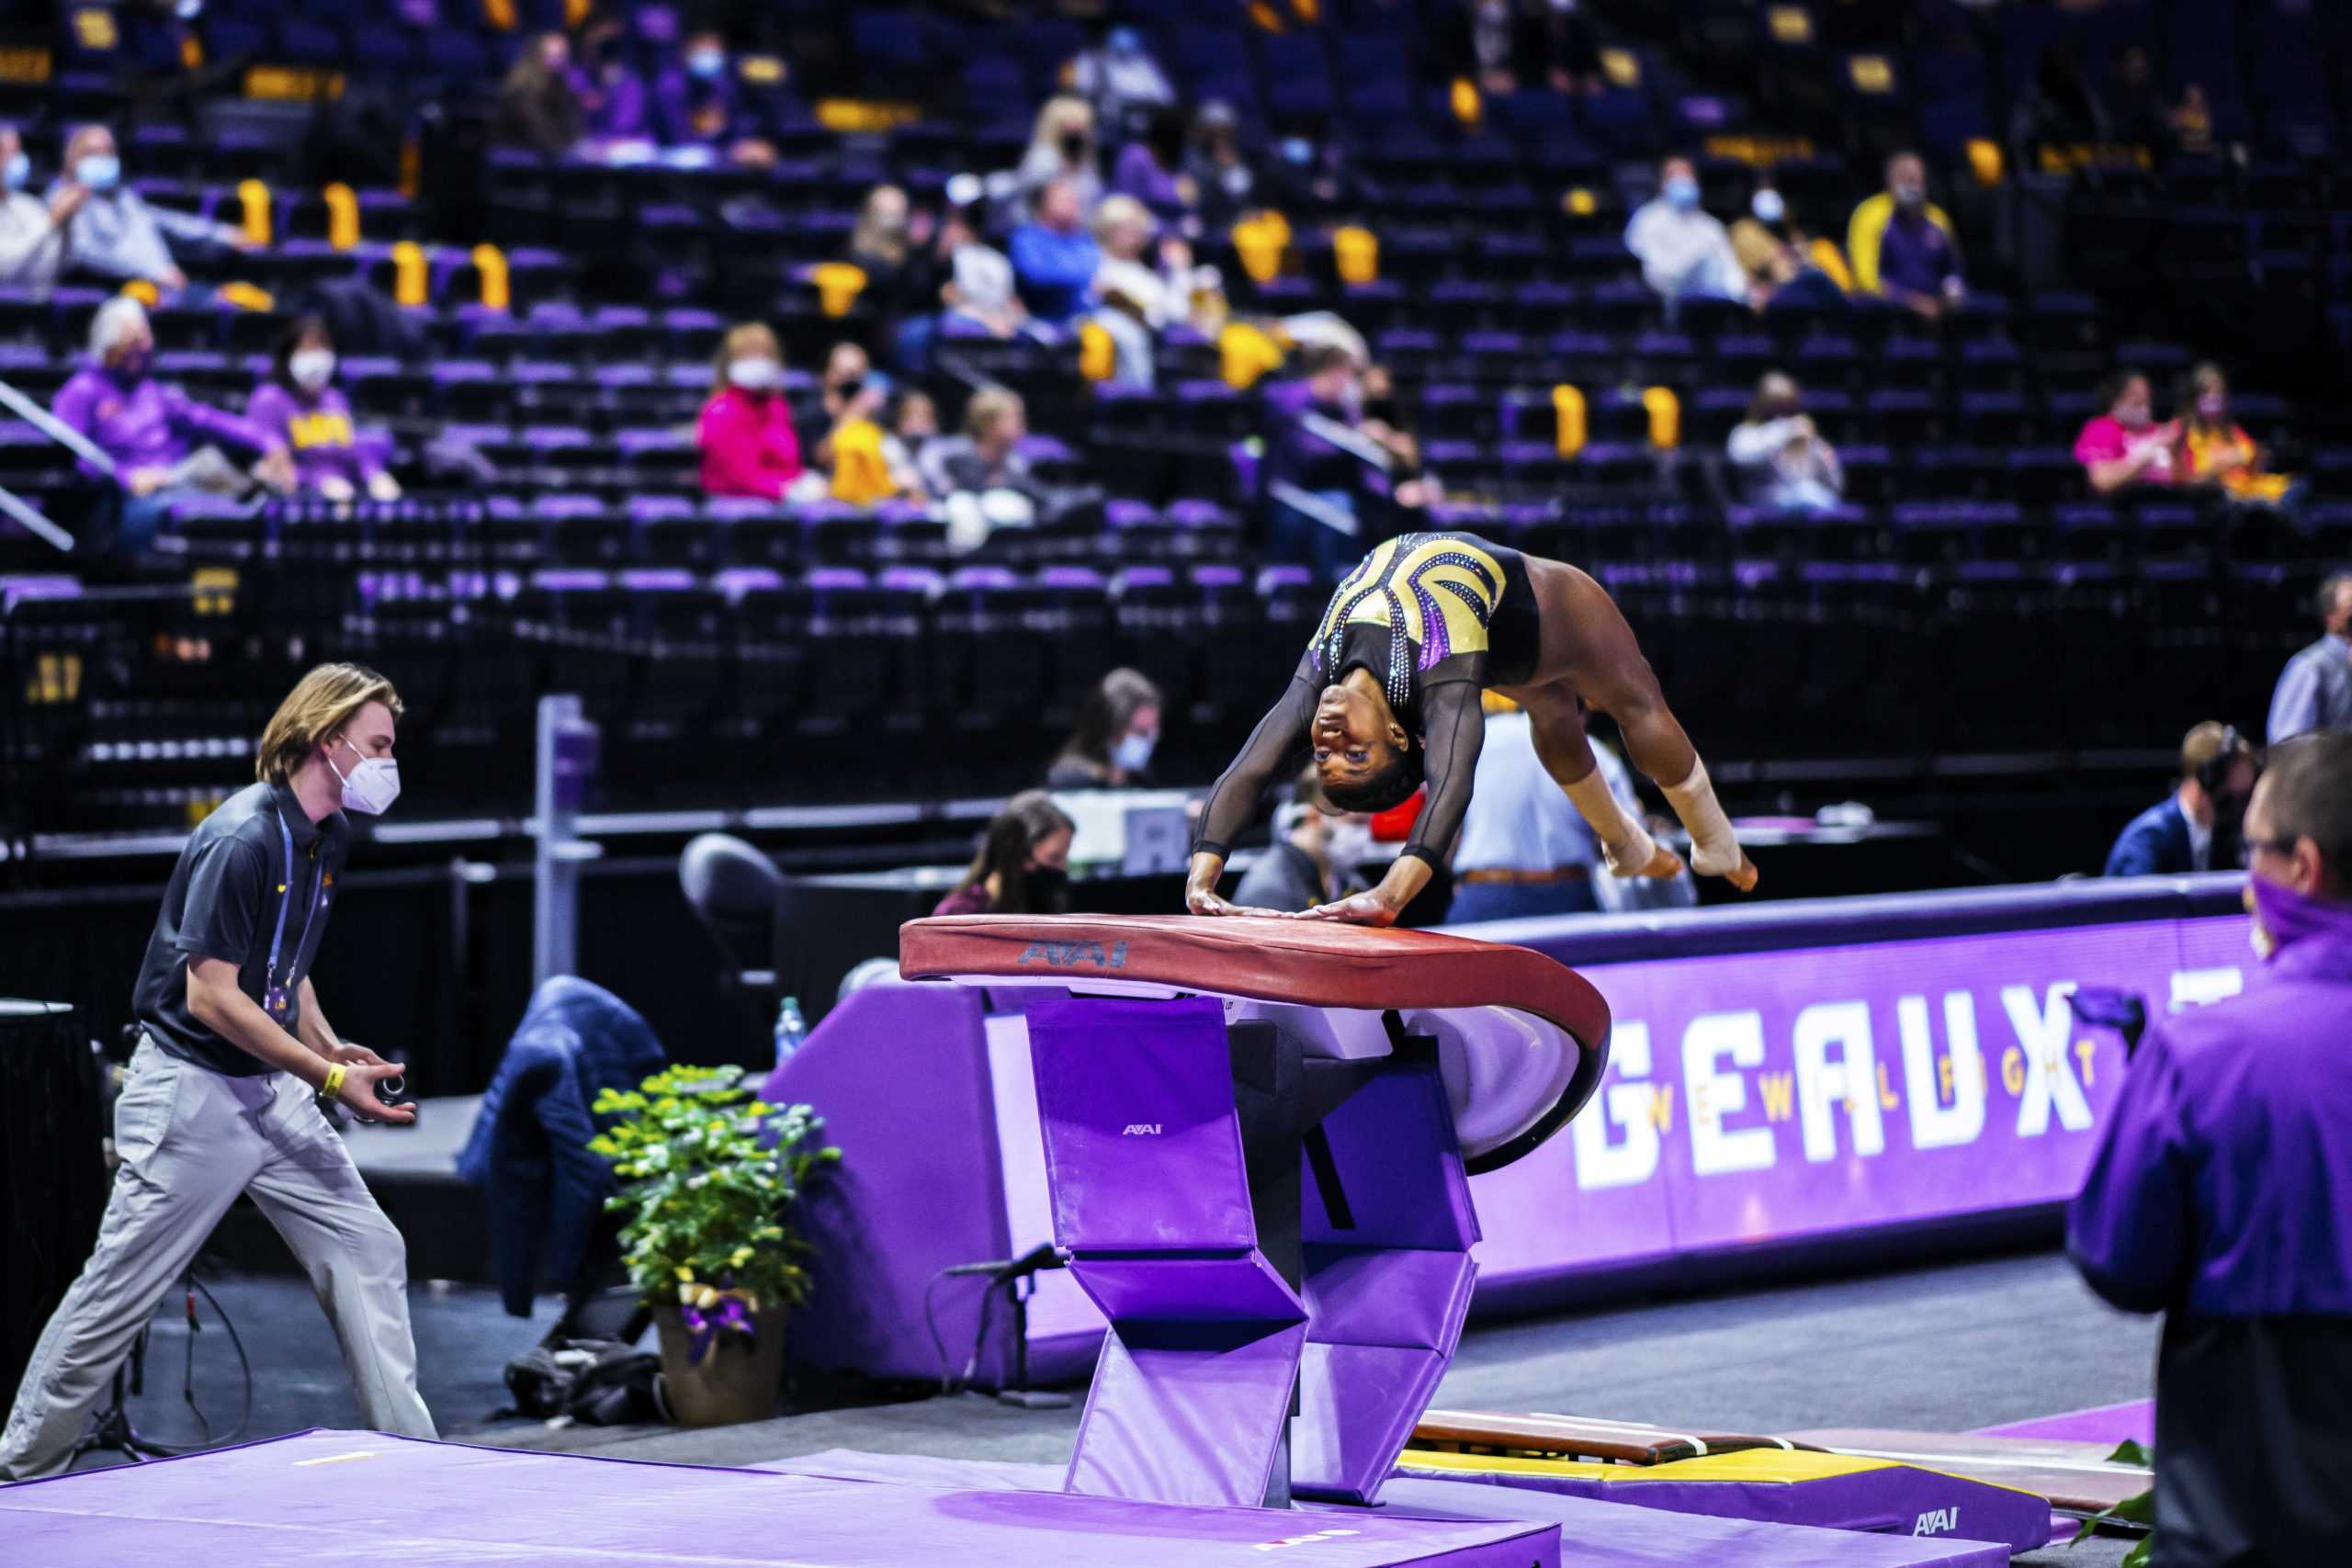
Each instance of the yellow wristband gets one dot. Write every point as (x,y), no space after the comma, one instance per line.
(333,1086)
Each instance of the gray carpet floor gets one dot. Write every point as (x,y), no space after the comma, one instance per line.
(1945,1348)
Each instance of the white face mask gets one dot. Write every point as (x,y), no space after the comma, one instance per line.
(311,367)
(371,786)
(1132,754)
(754,375)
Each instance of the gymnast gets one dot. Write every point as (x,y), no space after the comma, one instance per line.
(1386,699)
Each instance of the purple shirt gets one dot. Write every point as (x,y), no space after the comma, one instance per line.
(1914,255)
(2223,1184)
(147,424)
(317,429)
(1138,175)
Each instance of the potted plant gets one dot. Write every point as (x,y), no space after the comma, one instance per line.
(709,1172)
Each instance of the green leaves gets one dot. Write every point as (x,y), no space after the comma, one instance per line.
(709,1172)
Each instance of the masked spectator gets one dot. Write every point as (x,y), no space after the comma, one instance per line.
(162,444)
(301,407)
(979,286)
(2215,450)
(110,232)
(32,231)
(748,447)
(1901,246)
(1220,171)
(1315,855)
(1117,730)
(1781,459)
(1684,252)
(2196,827)
(1061,147)
(1777,255)
(866,463)
(2125,445)
(696,102)
(538,106)
(2314,692)
(892,246)
(1120,78)
(1023,867)
(1054,258)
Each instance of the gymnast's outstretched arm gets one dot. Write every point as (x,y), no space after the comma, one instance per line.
(1279,739)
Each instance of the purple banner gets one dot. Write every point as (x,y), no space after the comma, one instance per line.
(1770,1095)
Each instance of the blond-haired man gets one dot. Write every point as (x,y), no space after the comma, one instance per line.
(226,1086)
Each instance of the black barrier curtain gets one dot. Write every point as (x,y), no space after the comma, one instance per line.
(52,1168)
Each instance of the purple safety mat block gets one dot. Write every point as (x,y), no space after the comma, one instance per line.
(2134,1418)
(1593,1534)
(328,1498)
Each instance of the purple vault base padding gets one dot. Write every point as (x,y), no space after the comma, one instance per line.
(320,1499)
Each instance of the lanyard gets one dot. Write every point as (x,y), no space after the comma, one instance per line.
(276,996)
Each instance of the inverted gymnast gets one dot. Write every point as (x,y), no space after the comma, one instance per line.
(1386,699)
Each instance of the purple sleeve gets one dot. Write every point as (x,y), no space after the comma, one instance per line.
(2129,1228)
(216,424)
(74,407)
(270,409)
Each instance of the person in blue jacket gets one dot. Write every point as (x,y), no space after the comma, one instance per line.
(2180,833)
(1054,258)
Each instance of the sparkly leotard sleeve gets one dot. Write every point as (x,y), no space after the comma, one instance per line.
(1417,612)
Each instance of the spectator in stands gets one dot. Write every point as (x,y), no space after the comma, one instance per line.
(1901,246)
(1117,730)
(1506,47)
(748,447)
(695,101)
(1318,463)
(978,289)
(1220,172)
(1777,255)
(2214,450)
(1782,461)
(299,405)
(32,231)
(1023,867)
(1314,854)
(614,103)
(982,475)
(2314,692)
(1412,487)
(152,432)
(866,463)
(2137,113)
(1685,252)
(2125,445)
(113,234)
(537,106)
(2195,828)
(892,246)
(1061,147)
(1140,294)
(2216,1195)
(1054,258)
(1152,170)
(1121,79)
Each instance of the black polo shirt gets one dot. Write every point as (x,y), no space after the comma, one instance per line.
(258,872)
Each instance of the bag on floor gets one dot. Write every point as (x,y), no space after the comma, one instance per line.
(601,1383)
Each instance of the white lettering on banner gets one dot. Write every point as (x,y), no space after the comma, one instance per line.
(1934,1125)
(1713,1095)
(1851,1081)
(2195,987)
(1630,1104)
(2049,1079)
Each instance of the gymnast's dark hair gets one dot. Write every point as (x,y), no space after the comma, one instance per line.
(1027,820)
(1392,786)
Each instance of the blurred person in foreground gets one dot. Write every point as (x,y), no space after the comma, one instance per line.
(1023,867)
(230,1086)
(2220,1195)
(2196,827)
(749,447)
(2125,445)
(1901,246)
(1782,461)
(1315,856)
(1385,701)
(1685,251)
(162,444)
(32,228)
(111,231)
(1118,731)
(2314,692)
(298,405)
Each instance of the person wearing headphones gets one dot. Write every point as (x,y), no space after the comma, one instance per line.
(230,1084)
(2196,827)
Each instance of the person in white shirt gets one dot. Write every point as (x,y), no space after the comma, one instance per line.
(1140,294)
(1684,252)
(1781,459)
(32,231)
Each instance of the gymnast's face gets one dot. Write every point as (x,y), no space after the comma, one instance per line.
(1354,735)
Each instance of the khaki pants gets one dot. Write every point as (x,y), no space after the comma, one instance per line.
(190,1140)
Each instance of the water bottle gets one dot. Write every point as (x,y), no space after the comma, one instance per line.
(790,1030)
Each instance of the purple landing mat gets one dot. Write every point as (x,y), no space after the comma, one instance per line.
(2134,1418)
(1593,1534)
(363,1497)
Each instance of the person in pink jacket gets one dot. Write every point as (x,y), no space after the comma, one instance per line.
(748,447)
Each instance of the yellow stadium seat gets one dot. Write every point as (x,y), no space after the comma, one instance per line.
(343,216)
(1356,251)
(1666,417)
(497,293)
(1568,420)
(254,197)
(838,286)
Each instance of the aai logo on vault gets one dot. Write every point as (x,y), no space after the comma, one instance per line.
(1070,954)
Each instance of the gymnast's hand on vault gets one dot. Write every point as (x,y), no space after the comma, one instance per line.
(1205,902)
(1361,909)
